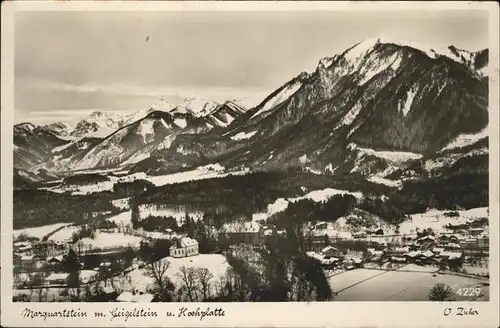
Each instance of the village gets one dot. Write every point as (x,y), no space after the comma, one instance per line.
(113,260)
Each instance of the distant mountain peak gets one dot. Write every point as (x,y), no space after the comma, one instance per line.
(96,114)
(26,126)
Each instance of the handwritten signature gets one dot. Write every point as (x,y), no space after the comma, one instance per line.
(460,311)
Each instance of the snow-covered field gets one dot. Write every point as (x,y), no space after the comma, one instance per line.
(466,139)
(64,234)
(38,232)
(392,156)
(378,285)
(435,219)
(121,203)
(316,195)
(122,218)
(215,263)
(111,240)
(384,181)
(243,135)
(450,159)
(203,172)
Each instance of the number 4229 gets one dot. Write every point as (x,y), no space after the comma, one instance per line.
(464,291)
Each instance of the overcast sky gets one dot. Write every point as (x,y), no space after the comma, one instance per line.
(68,64)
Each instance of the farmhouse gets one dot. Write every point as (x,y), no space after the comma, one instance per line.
(476,231)
(331,251)
(426,239)
(484,242)
(135,297)
(28,261)
(57,279)
(443,239)
(452,256)
(184,247)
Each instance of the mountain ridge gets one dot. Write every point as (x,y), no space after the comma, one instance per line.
(377,94)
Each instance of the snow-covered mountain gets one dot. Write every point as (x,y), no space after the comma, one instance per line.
(380,94)
(60,129)
(378,108)
(130,143)
(98,125)
(33,145)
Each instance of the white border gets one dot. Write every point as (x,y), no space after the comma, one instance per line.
(342,314)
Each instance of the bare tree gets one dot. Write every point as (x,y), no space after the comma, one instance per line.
(37,282)
(163,286)
(188,277)
(204,276)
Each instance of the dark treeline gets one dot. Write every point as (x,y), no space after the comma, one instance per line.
(38,207)
(306,210)
(84,179)
(463,190)
(249,193)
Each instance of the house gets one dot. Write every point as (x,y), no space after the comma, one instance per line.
(398,251)
(443,239)
(469,243)
(87,276)
(398,259)
(331,251)
(374,255)
(184,247)
(437,250)
(456,226)
(452,246)
(320,225)
(25,248)
(426,239)
(356,262)
(242,233)
(476,231)
(57,279)
(452,257)
(28,261)
(136,297)
(484,242)
(477,223)
(359,235)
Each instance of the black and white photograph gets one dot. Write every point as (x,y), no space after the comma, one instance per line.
(192,156)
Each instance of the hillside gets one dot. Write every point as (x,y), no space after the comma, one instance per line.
(377,97)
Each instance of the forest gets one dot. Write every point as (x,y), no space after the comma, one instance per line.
(247,194)
(34,208)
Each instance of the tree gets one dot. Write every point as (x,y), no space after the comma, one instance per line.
(128,257)
(190,281)
(21,298)
(440,292)
(71,263)
(37,281)
(204,276)
(163,287)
